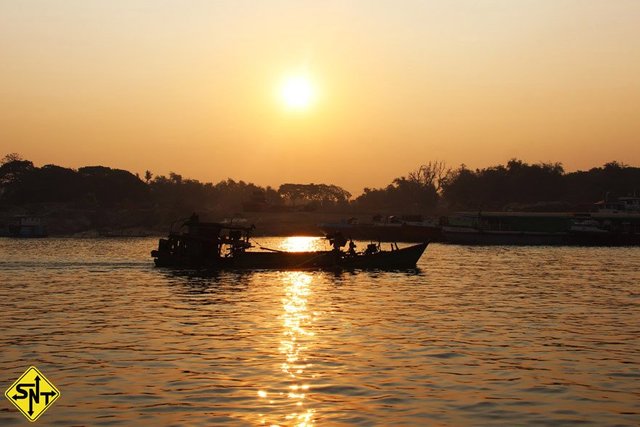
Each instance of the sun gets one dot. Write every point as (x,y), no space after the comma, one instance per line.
(297,92)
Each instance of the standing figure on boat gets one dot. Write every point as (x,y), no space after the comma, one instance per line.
(337,240)
(352,248)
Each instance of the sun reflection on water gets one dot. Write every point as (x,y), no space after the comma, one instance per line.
(297,321)
(297,336)
(301,243)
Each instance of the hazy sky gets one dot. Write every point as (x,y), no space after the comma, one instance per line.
(192,86)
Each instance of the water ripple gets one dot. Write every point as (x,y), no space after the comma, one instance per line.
(475,336)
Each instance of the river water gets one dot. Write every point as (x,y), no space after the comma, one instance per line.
(475,336)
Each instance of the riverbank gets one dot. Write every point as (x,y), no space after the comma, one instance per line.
(66,222)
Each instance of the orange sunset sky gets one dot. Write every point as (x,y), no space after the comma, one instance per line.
(353,93)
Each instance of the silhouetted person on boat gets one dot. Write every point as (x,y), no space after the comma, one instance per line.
(337,240)
(352,248)
(372,248)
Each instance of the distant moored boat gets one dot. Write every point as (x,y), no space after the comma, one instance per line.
(24,226)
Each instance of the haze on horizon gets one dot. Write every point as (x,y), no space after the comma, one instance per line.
(194,87)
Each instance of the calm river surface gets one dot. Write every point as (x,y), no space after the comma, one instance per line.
(476,336)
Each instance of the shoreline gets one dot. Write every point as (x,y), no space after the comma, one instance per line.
(125,223)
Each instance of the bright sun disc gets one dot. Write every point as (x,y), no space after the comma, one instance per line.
(297,92)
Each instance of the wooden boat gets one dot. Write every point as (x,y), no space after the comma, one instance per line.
(543,228)
(221,246)
(23,226)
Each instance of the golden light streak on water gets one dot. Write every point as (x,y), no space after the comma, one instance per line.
(302,244)
(297,322)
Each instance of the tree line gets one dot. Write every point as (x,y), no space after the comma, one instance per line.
(431,188)
(22,183)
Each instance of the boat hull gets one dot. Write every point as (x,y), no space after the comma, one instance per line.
(324,260)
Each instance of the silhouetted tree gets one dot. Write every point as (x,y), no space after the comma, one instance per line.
(112,186)
(318,195)
(11,157)
(613,179)
(518,185)
(13,170)
(432,174)
(416,193)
